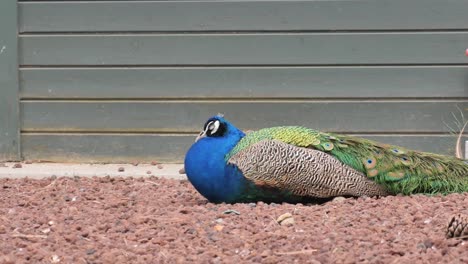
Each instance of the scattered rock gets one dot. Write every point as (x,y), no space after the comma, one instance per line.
(160,166)
(28,162)
(135,163)
(55,259)
(154,163)
(148,172)
(17,166)
(168,221)
(121,169)
(182,171)
(339,199)
(218,228)
(231,212)
(425,245)
(285,219)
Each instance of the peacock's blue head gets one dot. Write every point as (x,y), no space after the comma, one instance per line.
(205,163)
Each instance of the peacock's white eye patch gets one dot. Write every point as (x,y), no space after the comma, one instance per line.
(213,127)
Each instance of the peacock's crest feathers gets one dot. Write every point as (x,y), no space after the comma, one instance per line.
(398,169)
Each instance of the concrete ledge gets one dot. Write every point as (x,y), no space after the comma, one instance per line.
(43,170)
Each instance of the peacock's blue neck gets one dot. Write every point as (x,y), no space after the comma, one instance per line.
(208,171)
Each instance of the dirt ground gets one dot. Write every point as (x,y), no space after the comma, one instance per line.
(153,220)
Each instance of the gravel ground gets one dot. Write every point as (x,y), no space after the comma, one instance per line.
(153,220)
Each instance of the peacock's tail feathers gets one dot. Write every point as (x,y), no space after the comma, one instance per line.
(398,169)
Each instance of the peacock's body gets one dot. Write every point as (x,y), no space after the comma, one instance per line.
(293,163)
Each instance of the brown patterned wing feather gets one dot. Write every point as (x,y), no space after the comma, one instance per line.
(302,171)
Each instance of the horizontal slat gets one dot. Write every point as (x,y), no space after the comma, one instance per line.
(286,82)
(241,15)
(105,148)
(244,49)
(151,116)
(147,148)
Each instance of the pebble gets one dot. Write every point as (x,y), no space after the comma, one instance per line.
(231,212)
(285,219)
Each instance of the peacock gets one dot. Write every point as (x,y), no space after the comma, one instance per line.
(298,164)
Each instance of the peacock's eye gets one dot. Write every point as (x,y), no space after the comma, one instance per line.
(214,128)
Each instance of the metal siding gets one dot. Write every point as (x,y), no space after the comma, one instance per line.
(155,116)
(245,82)
(166,148)
(220,15)
(9,113)
(112,81)
(245,49)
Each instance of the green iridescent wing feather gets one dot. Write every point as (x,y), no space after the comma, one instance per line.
(398,169)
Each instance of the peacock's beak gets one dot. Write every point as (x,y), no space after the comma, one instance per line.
(200,136)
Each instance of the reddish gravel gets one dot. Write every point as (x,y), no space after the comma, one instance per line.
(151,220)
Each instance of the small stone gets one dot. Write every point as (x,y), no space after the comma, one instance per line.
(339,199)
(17,166)
(182,171)
(428,243)
(285,219)
(160,166)
(67,198)
(184,211)
(55,259)
(148,172)
(121,169)
(45,230)
(252,205)
(51,223)
(288,222)
(218,228)
(135,163)
(90,251)
(154,163)
(231,212)
(28,162)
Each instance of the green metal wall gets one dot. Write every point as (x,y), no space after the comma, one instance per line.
(9,89)
(116,81)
